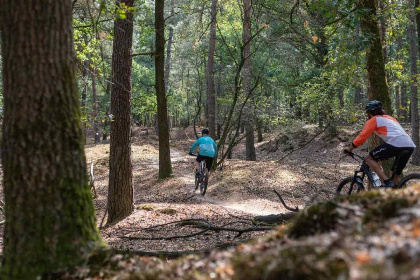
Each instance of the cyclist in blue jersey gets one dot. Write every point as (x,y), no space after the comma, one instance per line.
(208,149)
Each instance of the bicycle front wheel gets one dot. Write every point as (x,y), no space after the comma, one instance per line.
(410,180)
(349,186)
(204,182)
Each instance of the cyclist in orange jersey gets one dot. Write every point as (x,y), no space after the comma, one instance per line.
(397,144)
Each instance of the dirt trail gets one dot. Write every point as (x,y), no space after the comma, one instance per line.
(254,206)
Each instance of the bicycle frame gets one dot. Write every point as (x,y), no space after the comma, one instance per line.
(365,171)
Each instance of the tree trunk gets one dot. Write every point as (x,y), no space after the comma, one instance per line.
(404,102)
(95,107)
(398,102)
(259,131)
(169,49)
(50,222)
(358,95)
(378,88)
(165,167)
(120,190)
(84,95)
(247,77)
(211,94)
(415,158)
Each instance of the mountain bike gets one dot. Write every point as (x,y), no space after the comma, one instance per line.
(201,177)
(363,176)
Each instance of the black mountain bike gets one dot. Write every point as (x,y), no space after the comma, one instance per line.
(363,176)
(201,177)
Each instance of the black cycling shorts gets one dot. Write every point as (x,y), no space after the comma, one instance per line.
(209,160)
(386,151)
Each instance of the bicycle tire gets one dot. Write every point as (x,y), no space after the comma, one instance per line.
(204,182)
(349,180)
(196,180)
(409,180)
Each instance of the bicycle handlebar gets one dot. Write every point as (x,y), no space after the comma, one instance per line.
(352,154)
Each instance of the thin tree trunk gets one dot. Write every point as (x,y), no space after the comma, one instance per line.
(165,166)
(120,190)
(84,95)
(169,49)
(398,102)
(358,95)
(95,107)
(211,94)
(50,222)
(404,102)
(415,159)
(247,77)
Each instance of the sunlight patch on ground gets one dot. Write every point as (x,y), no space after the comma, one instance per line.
(288,175)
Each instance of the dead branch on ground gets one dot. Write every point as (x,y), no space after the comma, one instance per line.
(202,224)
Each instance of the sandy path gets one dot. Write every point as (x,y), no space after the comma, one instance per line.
(253,206)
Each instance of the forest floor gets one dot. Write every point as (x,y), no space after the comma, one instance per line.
(237,193)
(296,161)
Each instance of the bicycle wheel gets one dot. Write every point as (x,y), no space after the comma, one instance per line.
(410,180)
(197,180)
(347,186)
(204,182)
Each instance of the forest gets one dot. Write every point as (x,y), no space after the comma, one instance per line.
(102,102)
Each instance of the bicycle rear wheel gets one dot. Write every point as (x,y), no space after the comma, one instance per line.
(204,182)
(410,180)
(349,186)
(197,180)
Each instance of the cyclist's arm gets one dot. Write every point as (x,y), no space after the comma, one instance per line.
(366,132)
(194,146)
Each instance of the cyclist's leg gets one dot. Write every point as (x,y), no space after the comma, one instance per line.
(209,164)
(381,152)
(197,163)
(400,162)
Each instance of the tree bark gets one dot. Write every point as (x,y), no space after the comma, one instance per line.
(50,222)
(169,50)
(378,88)
(358,95)
(247,77)
(211,93)
(120,189)
(415,158)
(84,95)
(95,107)
(165,166)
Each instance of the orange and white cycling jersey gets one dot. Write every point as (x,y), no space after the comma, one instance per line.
(387,128)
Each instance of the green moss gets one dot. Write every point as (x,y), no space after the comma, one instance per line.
(146,207)
(168,211)
(301,262)
(386,209)
(315,219)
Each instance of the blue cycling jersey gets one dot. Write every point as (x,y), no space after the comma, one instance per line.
(207,146)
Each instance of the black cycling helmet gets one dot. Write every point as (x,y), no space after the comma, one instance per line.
(373,105)
(205,131)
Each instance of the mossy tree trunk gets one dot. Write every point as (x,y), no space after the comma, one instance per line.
(120,189)
(50,221)
(378,88)
(375,64)
(165,166)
